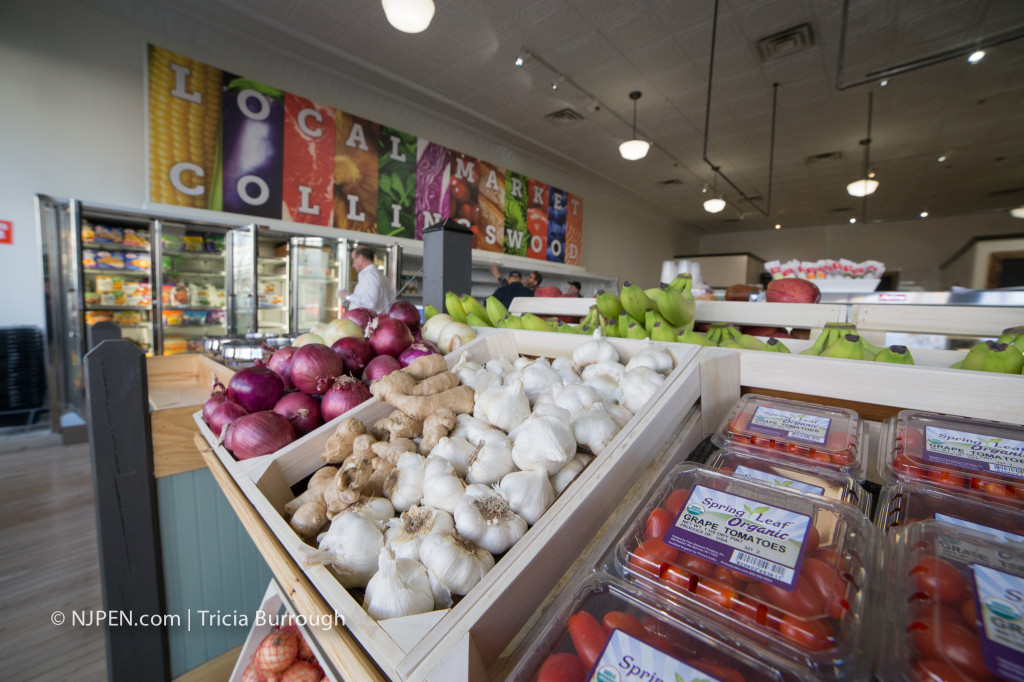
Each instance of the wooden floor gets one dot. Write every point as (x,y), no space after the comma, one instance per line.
(48,562)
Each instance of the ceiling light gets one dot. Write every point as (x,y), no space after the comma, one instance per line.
(714,205)
(867,184)
(1017,212)
(409,16)
(976,56)
(519,60)
(778,227)
(942,158)
(853,220)
(883,84)
(924,214)
(634,149)
(862,188)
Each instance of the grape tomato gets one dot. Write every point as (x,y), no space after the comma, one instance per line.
(562,667)
(588,636)
(620,620)
(658,522)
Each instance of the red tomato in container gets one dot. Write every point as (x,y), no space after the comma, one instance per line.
(813,538)
(739,422)
(620,620)
(812,635)
(729,577)
(830,585)
(719,672)
(939,579)
(969,612)
(933,670)
(694,564)
(658,521)
(658,551)
(676,500)
(946,479)
(562,668)
(588,636)
(804,600)
(952,643)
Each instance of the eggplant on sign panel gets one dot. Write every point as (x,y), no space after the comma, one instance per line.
(253,139)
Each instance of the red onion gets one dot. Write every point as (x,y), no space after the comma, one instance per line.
(225,413)
(355,352)
(415,350)
(344,394)
(217,397)
(281,362)
(406,312)
(361,316)
(258,434)
(389,336)
(256,388)
(313,366)
(380,367)
(302,410)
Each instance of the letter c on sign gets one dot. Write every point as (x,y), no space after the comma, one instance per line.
(304,126)
(245,96)
(242,186)
(176,172)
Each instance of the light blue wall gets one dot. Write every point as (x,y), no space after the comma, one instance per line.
(210,564)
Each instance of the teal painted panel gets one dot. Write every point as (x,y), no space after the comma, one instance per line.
(213,574)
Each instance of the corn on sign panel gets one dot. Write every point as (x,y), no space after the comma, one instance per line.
(228,143)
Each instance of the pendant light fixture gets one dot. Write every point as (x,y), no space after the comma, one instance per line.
(635,148)
(714,204)
(867,184)
(409,16)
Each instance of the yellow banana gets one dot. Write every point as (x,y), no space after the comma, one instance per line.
(663,332)
(471,305)
(650,317)
(682,282)
(635,301)
(496,310)
(636,331)
(513,321)
(674,306)
(535,324)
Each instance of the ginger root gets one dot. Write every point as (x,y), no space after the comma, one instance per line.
(339,445)
(426,366)
(435,427)
(398,393)
(309,519)
(390,450)
(397,425)
(320,480)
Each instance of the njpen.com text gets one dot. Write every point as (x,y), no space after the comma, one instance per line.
(198,618)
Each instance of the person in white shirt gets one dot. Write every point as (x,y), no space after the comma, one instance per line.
(372,290)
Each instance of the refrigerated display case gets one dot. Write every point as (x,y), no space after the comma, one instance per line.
(314,263)
(273,302)
(386,257)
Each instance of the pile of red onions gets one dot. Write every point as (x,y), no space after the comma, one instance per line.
(314,366)
(257,434)
(301,410)
(389,336)
(256,388)
(405,312)
(344,394)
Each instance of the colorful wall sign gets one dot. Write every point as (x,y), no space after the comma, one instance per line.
(6,232)
(227,143)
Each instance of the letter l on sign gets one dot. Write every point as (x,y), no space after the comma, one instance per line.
(6,232)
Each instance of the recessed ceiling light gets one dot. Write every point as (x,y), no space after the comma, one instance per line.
(1017,212)
(778,227)
(519,61)
(976,56)
(883,84)
(924,214)
(942,158)
(853,220)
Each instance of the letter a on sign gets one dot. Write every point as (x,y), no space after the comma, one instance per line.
(6,232)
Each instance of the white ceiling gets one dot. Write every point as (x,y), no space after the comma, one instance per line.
(462,67)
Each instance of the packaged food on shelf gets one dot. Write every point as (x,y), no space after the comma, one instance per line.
(215,317)
(109,283)
(88,258)
(172,242)
(789,571)
(138,294)
(192,243)
(173,318)
(193,318)
(797,432)
(953,605)
(110,235)
(903,504)
(110,260)
(213,243)
(136,261)
(92,298)
(972,457)
(175,344)
(607,630)
(805,479)
(88,232)
(127,318)
(133,237)
(94,316)
(199,295)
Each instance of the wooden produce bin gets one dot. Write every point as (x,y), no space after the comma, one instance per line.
(462,641)
(178,384)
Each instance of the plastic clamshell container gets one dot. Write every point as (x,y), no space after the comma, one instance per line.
(792,431)
(953,605)
(827,483)
(974,457)
(618,627)
(787,570)
(903,504)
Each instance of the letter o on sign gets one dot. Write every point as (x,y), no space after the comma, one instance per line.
(262,108)
(536,244)
(244,189)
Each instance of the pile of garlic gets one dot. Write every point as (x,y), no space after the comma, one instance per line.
(478,489)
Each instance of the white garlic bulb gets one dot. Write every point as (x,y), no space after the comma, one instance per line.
(594,351)
(529,493)
(539,379)
(399,588)
(576,398)
(455,560)
(456,450)
(442,487)
(377,509)
(491,460)
(620,414)
(353,544)
(405,533)
(611,367)
(567,474)
(607,385)
(484,517)
(652,357)
(567,369)
(542,442)
(594,427)
(505,407)
(500,366)
(638,386)
(404,485)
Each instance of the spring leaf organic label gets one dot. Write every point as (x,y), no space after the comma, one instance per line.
(759,540)
(806,428)
(1002,535)
(999,600)
(778,481)
(973,451)
(627,658)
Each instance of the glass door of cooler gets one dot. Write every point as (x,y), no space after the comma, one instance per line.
(387,258)
(194,284)
(241,303)
(316,281)
(272,279)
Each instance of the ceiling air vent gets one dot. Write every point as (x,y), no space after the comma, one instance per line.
(827,156)
(785,43)
(841,209)
(670,182)
(564,116)
(1004,192)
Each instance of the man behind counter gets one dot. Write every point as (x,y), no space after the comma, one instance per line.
(372,290)
(513,286)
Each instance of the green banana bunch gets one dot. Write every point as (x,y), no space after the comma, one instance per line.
(512,321)
(749,342)
(453,305)
(496,310)
(832,332)
(609,329)
(682,282)
(566,328)
(535,324)
(993,356)
(690,336)
(848,347)
(722,331)
(635,331)
(593,317)
(651,316)
(773,345)
(1013,336)
(663,332)
(474,320)
(635,301)
(677,307)
(898,355)
(609,304)
(625,319)
(471,305)
(429,311)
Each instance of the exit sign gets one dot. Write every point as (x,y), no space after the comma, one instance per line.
(6,232)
